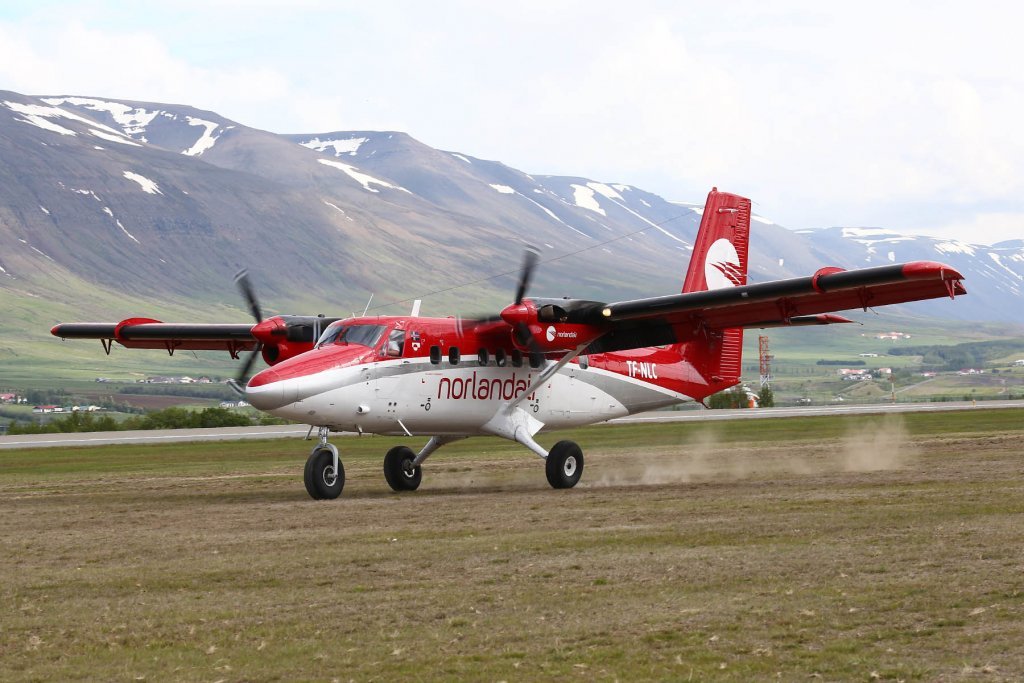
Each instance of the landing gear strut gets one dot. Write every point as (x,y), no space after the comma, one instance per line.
(324,475)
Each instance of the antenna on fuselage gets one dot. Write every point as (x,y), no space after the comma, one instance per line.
(368,304)
(415,308)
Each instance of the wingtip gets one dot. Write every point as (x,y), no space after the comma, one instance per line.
(929,269)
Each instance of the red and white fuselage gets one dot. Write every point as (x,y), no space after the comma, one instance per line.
(401,389)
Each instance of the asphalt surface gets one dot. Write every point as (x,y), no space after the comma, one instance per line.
(300,431)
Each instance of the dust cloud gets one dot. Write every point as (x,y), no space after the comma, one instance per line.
(870,445)
(877,445)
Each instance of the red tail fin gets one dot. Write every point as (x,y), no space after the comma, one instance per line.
(719,260)
(720,253)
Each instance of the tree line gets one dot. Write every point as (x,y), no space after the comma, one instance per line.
(170,418)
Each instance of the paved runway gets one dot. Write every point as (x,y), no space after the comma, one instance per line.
(299,431)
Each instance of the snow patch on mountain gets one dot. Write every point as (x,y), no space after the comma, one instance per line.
(1013,274)
(551,213)
(133,120)
(39,117)
(205,140)
(360,177)
(504,189)
(604,191)
(459,156)
(955,247)
(125,231)
(147,185)
(113,138)
(87,193)
(340,210)
(583,196)
(349,146)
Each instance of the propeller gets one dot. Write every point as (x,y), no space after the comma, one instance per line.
(530,257)
(245,286)
(521,330)
(249,294)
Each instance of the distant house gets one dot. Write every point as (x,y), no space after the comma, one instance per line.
(1019,362)
(8,398)
(868,355)
(47,409)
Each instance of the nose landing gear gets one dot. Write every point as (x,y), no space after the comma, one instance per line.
(324,475)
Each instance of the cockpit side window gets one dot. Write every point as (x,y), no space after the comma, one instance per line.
(396,344)
(363,335)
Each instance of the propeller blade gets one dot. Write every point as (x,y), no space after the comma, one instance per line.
(526,274)
(245,286)
(242,379)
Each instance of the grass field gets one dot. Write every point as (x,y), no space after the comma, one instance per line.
(799,549)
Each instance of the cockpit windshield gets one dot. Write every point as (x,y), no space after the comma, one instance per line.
(340,333)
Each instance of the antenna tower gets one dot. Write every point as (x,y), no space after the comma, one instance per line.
(766,371)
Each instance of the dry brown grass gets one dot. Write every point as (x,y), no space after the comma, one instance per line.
(876,555)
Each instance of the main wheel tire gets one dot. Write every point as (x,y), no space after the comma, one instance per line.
(322,482)
(398,471)
(564,465)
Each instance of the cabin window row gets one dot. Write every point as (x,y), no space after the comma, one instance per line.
(484,357)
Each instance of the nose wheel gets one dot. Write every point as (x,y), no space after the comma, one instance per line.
(324,475)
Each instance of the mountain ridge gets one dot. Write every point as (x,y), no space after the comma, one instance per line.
(170,201)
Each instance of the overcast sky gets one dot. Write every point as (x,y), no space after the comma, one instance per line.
(904,115)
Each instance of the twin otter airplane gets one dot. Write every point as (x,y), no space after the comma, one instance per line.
(540,364)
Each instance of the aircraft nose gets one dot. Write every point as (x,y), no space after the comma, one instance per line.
(265,391)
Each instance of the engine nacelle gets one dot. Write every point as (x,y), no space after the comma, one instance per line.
(286,336)
(549,327)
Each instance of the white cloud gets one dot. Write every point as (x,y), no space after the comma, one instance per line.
(74,59)
(983,227)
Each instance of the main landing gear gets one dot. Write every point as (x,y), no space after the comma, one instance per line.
(399,470)
(403,472)
(564,465)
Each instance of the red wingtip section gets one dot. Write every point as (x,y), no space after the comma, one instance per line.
(923,270)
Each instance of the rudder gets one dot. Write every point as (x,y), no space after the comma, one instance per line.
(720,260)
(720,252)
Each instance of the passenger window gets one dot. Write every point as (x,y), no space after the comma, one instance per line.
(517,358)
(435,354)
(584,362)
(453,355)
(482,357)
(500,358)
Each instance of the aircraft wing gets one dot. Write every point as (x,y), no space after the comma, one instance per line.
(146,333)
(797,301)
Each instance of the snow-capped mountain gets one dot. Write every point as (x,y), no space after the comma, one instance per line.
(994,274)
(169,201)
